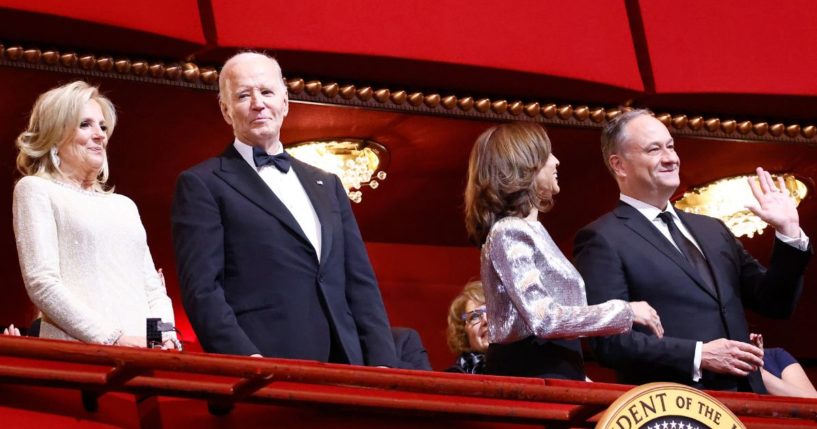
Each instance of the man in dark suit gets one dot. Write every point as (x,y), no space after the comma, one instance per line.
(270,258)
(690,268)
(411,354)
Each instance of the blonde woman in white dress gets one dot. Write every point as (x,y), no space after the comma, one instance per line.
(82,248)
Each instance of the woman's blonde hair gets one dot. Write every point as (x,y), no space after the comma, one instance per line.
(54,120)
(455,334)
(501,176)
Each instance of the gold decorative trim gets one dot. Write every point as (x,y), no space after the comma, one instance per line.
(569,115)
(177,73)
(189,74)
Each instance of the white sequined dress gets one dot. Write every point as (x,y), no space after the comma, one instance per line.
(531,289)
(85,262)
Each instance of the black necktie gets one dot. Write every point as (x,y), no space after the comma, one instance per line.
(280,161)
(688,249)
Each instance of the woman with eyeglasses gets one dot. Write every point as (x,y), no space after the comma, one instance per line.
(467,332)
(537,308)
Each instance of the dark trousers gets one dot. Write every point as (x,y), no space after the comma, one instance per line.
(535,357)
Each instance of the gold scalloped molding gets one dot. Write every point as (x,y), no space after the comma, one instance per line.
(188,74)
(178,74)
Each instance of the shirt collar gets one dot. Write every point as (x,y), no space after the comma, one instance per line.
(245,151)
(647,210)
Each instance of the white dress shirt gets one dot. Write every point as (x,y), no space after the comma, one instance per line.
(651,213)
(287,187)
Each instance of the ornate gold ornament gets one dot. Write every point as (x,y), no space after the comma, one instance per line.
(358,163)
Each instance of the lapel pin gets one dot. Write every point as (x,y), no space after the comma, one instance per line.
(320,182)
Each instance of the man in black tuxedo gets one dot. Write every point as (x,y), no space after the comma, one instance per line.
(690,268)
(270,259)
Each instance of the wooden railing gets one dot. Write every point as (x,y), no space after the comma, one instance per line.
(224,380)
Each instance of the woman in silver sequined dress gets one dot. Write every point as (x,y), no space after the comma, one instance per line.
(82,248)
(535,298)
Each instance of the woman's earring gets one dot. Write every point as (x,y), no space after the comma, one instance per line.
(55,158)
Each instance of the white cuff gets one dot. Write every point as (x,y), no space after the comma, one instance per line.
(800,242)
(696,362)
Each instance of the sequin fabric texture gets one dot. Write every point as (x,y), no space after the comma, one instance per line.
(532,289)
(85,262)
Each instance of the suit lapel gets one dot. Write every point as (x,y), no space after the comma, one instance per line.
(316,191)
(642,227)
(707,246)
(241,177)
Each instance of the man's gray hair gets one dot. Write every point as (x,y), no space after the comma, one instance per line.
(614,135)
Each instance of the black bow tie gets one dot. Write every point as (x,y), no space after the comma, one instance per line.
(281,161)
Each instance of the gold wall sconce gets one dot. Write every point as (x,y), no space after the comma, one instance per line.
(726,199)
(358,163)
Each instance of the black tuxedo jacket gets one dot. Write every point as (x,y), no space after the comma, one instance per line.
(623,256)
(410,351)
(251,280)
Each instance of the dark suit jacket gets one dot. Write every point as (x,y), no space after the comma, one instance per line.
(251,280)
(622,255)
(409,348)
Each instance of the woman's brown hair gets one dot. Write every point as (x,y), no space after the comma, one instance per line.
(501,176)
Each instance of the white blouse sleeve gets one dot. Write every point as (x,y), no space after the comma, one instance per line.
(156,292)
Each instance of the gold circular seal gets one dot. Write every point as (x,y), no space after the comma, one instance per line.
(667,406)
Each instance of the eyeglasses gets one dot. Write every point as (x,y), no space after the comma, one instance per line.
(475,316)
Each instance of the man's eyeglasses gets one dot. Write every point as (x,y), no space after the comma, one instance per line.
(475,316)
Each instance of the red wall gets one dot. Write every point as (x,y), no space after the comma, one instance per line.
(418,284)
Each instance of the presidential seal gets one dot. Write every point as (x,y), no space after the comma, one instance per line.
(667,406)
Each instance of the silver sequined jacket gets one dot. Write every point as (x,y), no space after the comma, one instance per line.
(532,289)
